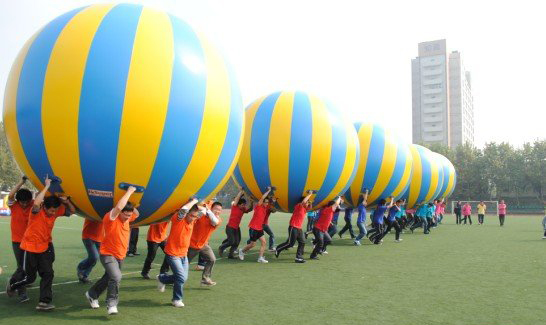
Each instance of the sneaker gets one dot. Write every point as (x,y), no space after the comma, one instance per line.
(94,303)
(357,243)
(44,306)
(112,310)
(207,283)
(241,254)
(160,285)
(398,240)
(199,267)
(9,292)
(145,276)
(262,259)
(178,303)
(299,260)
(23,298)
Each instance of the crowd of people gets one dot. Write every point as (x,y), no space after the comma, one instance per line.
(111,239)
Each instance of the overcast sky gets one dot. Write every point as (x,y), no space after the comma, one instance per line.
(356,54)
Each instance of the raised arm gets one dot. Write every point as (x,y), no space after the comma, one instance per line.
(264,195)
(122,202)
(11,195)
(40,197)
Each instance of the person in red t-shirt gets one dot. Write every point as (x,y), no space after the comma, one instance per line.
(113,250)
(157,237)
(199,242)
(322,238)
(20,204)
(37,243)
(92,235)
(239,207)
(255,226)
(178,244)
(294,230)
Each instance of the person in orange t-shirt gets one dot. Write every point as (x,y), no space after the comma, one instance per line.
(113,250)
(199,242)
(178,244)
(92,235)
(157,237)
(38,248)
(20,204)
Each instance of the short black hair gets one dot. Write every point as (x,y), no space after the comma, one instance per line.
(129,207)
(382,202)
(23,195)
(52,202)
(241,201)
(215,204)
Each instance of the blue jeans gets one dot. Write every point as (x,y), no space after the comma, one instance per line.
(362,228)
(179,266)
(87,264)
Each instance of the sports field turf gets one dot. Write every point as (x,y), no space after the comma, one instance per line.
(456,275)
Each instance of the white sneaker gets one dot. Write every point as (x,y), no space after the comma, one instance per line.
(398,240)
(241,254)
(160,285)
(93,302)
(357,243)
(178,303)
(262,259)
(112,310)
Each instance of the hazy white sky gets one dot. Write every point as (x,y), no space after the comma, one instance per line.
(356,53)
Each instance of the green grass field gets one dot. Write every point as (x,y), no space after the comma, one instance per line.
(457,275)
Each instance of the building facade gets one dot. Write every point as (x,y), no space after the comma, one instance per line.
(442,103)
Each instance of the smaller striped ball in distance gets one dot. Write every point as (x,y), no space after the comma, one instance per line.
(425,180)
(450,178)
(296,142)
(114,93)
(384,168)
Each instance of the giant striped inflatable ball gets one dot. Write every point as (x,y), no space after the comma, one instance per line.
(450,178)
(425,178)
(384,168)
(296,142)
(108,94)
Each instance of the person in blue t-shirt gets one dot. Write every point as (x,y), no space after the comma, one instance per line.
(348,224)
(392,222)
(378,220)
(361,219)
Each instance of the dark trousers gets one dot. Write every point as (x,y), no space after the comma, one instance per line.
(41,263)
(271,235)
(19,257)
(152,250)
(348,226)
(393,224)
(469,219)
(501,219)
(376,233)
(133,240)
(322,239)
(233,239)
(480,218)
(294,234)
(332,229)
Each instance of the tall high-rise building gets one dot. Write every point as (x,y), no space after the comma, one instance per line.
(442,103)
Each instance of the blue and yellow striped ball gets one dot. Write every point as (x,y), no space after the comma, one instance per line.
(384,168)
(122,93)
(425,183)
(450,177)
(296,142)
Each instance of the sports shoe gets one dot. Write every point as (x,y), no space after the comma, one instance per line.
(207,283)
(9,292)
(44,306)
(241,254)
(160,285)
(398,240)
(199,267)
(178,303)
(113,310)
(357,243)
(299,260)
(23,298)
(94,303)
(262,259)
